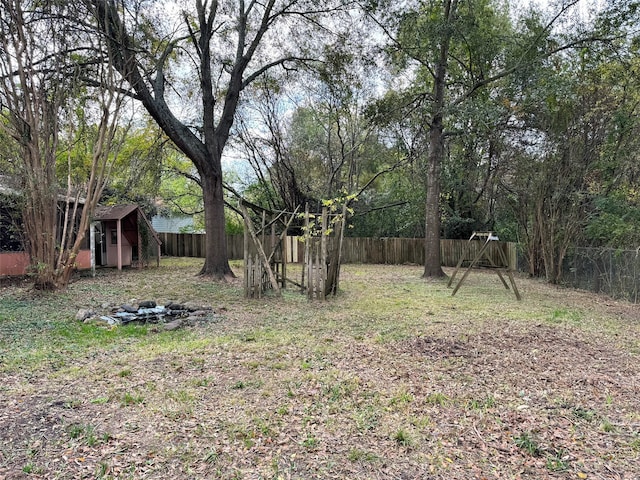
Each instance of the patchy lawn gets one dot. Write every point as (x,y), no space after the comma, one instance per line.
(393,379)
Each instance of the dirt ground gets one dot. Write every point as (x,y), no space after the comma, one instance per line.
(393,379)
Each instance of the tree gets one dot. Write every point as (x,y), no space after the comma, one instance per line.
(456,50)
(309,138)
(89,167)
(614,81)
(40,68)
(32,91)
(573,152)
(224,46)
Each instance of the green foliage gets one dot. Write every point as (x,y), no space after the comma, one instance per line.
(234,223)
(403,438)
(179,191)
(11,235)
(615,221)
(323,144)
(138,170)
(607,426)
(482,403)
(311,442)
(394,209)
(526,442)
(401,398)
(9,152)
(335,208)
(437,398)
(359,455)
(131,399)
(478,36)
(558,462)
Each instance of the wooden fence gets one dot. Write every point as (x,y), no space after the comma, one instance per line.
(393,251)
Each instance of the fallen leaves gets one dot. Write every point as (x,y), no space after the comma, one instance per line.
(289,389)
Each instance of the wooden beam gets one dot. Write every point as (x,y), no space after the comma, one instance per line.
(263,256)
(119,242)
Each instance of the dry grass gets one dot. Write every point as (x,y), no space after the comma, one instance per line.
(394,378)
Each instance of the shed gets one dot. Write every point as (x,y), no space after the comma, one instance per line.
(122,235)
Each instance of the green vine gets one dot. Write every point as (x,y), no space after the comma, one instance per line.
(335,207)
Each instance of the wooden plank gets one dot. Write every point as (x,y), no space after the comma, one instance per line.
(248,223)
(392,251)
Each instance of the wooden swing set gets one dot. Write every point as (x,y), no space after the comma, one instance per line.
(485,257)
(266,252)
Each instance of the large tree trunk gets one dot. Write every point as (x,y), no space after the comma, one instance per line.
(216,262)
(432,262)
(39,217)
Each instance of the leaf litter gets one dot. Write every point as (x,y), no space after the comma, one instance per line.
(393,379)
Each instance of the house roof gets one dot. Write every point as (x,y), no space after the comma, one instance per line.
(9,185)
(113,212)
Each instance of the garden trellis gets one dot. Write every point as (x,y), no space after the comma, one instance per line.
(266,256)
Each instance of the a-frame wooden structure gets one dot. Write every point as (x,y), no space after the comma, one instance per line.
(485,257)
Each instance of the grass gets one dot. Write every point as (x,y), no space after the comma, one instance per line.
(557,462)
(526,442)
(403,438)
(391,378)
(131,399)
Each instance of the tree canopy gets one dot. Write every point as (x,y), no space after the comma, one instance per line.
(440,117)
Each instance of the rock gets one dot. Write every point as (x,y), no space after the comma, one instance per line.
(173,325)
(194,307)
(109,320)
(84,313)
(149,312)
(126,317)
(103,321)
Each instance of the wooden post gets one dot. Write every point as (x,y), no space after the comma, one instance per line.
(283,242)
(339,247)
(119,242)
(247,277)
(263,256)
(264,214)
(92,246)
(307,240)
(258,277)
(247,261)
(308,266)
(139,239)
(323,251)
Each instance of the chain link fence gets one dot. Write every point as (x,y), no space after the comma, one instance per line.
(613,272)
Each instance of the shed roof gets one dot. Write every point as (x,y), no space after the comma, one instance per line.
(118,212)
(113,212)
